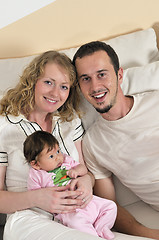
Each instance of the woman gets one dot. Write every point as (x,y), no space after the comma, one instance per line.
(44,99)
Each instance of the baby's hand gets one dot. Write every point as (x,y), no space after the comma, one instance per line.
(72,173)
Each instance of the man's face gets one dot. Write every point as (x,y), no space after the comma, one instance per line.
(98,81)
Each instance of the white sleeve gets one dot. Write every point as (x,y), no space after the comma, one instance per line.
(3,159)
(92,162)
(3,143)
(78,129)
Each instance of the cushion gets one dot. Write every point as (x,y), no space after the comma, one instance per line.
(134,49)
(141,79)
(10,70)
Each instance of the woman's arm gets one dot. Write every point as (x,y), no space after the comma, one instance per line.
(84,183)
(78,145)
(54,200)
(80,169)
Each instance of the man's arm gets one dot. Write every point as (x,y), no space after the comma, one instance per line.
(125,222)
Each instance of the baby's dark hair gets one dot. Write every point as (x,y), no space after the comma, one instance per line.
(35,143)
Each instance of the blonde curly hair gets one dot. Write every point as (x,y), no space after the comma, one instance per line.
(21,99)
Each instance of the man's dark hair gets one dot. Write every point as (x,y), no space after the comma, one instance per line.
(92,47)
(35,143)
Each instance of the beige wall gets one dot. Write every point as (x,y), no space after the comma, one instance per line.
(66,23)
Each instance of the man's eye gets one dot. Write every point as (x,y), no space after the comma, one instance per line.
(101,75)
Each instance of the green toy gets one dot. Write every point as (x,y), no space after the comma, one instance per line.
(60,177)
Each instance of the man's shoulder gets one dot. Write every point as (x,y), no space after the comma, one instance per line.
(93,129)
(148,94)
(151,96)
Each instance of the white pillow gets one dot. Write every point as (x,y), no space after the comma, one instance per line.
(10,71)
(134,49)
(141,79)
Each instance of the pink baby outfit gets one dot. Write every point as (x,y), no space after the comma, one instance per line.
(97,218)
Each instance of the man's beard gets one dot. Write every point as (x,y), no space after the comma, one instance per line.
(111,104)
(104,110)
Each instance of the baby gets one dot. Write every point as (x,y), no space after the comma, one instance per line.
(50,167)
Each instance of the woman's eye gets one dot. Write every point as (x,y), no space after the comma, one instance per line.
(51,156)
(48,82)
(85,79)
(64,87)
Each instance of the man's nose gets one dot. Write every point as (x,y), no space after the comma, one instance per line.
(94,84)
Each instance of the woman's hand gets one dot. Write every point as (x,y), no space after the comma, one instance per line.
(57,199)
(83,184)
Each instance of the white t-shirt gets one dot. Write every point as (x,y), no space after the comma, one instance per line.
(13,132)
(128,147)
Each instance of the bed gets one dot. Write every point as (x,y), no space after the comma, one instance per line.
(139,56)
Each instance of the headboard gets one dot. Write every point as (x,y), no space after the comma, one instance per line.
(65,24)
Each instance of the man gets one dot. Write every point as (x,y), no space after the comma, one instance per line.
(124,139)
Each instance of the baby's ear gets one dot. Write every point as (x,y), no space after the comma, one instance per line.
(35,164)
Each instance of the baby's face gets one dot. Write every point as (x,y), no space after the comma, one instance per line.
(49,160)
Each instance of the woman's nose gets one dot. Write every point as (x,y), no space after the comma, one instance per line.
(55,91)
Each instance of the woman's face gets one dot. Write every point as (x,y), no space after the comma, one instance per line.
(52,89)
